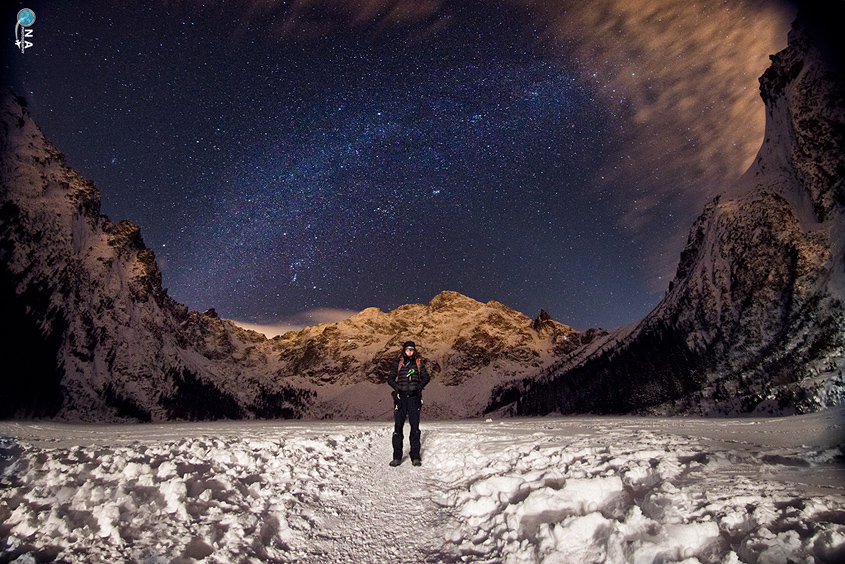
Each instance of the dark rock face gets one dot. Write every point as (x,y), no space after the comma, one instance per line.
(754,319)
(30,378)
(805,88)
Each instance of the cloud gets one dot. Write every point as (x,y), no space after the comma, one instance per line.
(682,79)
(298,322)
(679,67)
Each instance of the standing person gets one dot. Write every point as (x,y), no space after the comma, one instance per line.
(407,378)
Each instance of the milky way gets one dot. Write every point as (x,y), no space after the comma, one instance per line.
(284,157)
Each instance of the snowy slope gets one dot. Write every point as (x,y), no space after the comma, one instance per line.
(754,320)
(552,490)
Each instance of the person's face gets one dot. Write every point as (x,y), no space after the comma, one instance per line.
(409,352)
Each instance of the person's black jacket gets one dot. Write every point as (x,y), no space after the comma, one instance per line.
(409,379)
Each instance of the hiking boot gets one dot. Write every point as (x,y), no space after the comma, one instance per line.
(416,462)
(395,462)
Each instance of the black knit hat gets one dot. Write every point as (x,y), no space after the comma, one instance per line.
(409,344)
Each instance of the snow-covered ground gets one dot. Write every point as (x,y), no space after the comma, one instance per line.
(550,490)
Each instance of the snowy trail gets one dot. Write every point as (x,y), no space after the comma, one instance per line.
(381,514)
(551,490)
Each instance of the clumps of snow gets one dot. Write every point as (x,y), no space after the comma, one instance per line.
(629,498)
(585,490)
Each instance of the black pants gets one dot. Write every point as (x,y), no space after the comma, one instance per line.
(405,406)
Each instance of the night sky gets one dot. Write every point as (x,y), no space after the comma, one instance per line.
(294,162)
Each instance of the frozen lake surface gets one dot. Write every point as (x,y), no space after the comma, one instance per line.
(552,490)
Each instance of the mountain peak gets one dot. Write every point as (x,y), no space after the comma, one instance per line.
(543,323)
(448,298)
(804,139)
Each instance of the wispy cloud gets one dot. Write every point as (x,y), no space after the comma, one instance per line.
(298,322)
(312,19)
(683,76)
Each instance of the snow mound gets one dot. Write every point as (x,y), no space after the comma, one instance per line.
(546,491)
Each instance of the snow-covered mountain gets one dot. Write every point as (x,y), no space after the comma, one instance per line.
(470,348)
(90,334)
(754,320)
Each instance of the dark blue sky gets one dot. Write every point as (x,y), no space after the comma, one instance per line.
(281,159)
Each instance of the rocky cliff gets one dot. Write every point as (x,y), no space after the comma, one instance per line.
(88,331)
(753,321)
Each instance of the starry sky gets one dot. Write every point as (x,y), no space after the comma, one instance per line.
(295,162)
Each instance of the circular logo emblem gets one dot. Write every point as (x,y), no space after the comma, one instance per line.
(26,17)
